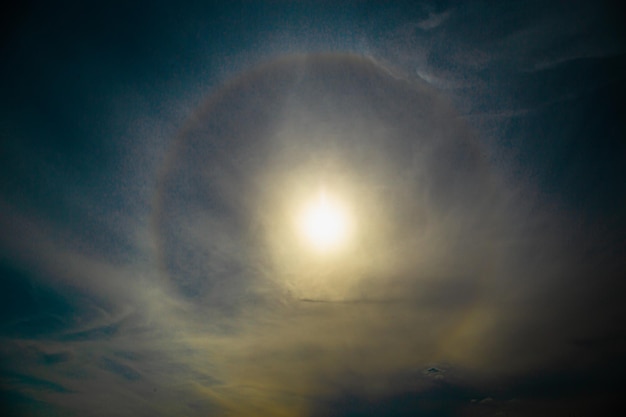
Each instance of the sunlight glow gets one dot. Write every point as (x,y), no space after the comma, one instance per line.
(324,223)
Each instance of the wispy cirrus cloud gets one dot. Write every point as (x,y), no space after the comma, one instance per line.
(169,281)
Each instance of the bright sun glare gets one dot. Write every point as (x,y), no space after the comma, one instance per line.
(324,223)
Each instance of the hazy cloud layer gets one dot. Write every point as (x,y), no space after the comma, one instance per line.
(149,263)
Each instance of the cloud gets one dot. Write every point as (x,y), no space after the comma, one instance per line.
(451,287)
(433,20)
(119,368)
(240,319)
(462,279)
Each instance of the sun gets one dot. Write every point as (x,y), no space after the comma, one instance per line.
(324,223)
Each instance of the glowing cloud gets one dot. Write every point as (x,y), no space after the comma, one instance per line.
(324,223)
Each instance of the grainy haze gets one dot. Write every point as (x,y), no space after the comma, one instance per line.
(153,160)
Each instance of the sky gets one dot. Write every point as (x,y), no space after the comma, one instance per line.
(158,159)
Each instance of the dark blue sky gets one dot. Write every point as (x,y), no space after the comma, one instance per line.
(153,154)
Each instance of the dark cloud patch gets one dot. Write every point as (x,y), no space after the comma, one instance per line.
(437,401)
(128,355)
(30,308)
(432,371)
(98,333)
(55,358)
(585,383)
(15,403)
(28,382)
(119,368)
